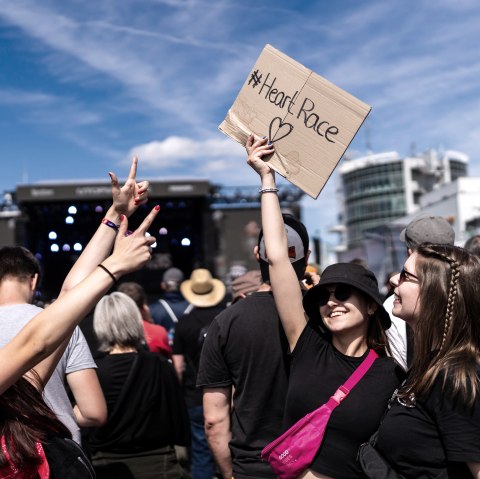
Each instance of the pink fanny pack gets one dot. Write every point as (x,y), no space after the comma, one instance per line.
(293,452)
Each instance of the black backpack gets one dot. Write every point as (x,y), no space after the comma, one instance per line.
(66,459)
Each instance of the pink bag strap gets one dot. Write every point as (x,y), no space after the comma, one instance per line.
(343,391)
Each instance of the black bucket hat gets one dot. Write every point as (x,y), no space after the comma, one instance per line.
(354,275)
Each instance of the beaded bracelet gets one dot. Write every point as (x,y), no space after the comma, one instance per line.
(110,224)
(268,190)
(108,272)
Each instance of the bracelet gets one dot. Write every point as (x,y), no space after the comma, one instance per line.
(108,272)
(268,190)
(110,224)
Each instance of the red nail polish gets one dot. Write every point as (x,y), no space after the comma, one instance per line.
(157,207)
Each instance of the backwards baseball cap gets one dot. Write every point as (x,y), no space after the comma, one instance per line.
(297,244)
(428,229)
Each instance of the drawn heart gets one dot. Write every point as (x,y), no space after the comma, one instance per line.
(286,127)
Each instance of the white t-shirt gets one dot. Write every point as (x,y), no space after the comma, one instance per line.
(397,334)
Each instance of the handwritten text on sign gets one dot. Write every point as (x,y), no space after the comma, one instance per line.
(306,113)
(311,120)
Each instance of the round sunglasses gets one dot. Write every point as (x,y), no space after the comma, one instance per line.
(341,292)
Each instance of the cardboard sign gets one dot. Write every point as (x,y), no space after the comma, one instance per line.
(310,121)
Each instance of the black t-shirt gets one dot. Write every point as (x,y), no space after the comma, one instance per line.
(317,371)
(437,434)
(145,412)
(246,347)
(188,341)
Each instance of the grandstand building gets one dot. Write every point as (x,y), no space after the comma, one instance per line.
(377,189)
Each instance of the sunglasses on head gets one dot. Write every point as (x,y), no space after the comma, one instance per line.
(342,292)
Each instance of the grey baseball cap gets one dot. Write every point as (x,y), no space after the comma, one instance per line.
(173,275)
(428,229)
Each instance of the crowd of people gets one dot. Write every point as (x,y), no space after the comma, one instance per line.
(196,383)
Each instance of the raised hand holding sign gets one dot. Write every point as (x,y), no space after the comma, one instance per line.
(310,120)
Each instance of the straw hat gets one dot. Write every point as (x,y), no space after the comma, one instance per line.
(202,290)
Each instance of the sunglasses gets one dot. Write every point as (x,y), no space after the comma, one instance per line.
(342,292)
(406,276)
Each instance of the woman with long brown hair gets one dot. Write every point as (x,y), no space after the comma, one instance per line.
(432,428)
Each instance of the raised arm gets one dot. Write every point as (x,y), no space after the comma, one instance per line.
(46,331)
(125,201)
(284,281)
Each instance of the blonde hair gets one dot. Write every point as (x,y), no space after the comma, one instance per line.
(117,322)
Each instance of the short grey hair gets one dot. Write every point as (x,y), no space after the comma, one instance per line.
(117,322)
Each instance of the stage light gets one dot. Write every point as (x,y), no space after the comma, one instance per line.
(163,231)
(54,248)
(77,247)
(72,210)
(52,235)
(69,220)
(66,247)
(186,242)
(98,209)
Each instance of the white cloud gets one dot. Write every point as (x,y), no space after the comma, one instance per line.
(11,96)
(113,74)
(174,150)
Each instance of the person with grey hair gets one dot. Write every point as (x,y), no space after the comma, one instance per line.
(147,416)
(156,336)
(117,324)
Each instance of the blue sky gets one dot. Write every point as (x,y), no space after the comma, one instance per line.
(85,85)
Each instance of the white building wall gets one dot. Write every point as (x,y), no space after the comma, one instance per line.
(459,201)
(434,170)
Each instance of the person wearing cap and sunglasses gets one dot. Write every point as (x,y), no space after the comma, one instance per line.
(244,369)
(432,427)
(330,332)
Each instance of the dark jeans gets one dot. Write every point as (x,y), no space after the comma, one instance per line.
(201,460)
